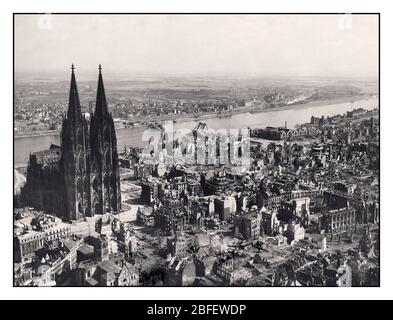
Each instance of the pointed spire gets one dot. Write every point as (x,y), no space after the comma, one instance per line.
(74,107)
(101,105)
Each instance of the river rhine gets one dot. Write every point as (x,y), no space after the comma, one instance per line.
(133,136)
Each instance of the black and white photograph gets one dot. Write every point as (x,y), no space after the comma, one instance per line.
(203,150)
(196,159)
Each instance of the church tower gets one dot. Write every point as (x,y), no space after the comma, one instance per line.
(104,173)
(75,160)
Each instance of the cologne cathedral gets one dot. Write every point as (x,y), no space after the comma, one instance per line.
(80,178)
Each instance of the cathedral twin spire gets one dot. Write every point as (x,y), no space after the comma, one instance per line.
(74,108)
(89,157)
(86,180)
(101,105)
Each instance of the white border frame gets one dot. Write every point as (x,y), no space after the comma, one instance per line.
(6,160)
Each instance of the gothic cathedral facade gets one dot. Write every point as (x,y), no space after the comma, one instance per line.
(81,177)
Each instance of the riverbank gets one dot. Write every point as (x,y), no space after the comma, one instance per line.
(322,103)
(201,117)
(36,134)
(132,136)
(311,104)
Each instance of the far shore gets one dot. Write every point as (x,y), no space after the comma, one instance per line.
(311,104)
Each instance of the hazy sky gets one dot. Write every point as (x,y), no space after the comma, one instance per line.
(222,45)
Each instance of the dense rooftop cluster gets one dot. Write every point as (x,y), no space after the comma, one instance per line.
(306,213)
